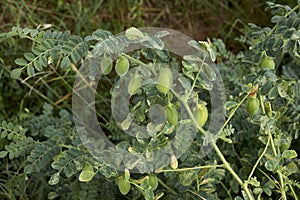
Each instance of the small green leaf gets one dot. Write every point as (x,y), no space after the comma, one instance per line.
(16,73)
(289,154)
(4,124)
(229,105)
(37,65)
(75,56)
(86,176)
(43,61)
(65,63)
(28,169)
(273,93)
(270,165)
(69,170)
(3,154)
(26,31)
(29,56)
(54,179)
(53,195)
(204,44)
(4,134)
(87,173)
(133,34)
(195,44)
(208,48)
(208,72)
(11,155)
(212,54)
(296,35)
(30,70)
(190,66)
(186,84)
(36,51)
(187,177)
(21,61)
(10,135)
(161,34)
(192,58)
(33,32)
(291,168)
(148,194)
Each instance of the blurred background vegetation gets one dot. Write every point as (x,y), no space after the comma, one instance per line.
(197,18)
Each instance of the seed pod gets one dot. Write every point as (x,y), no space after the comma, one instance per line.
(172,114)
(267,63)
(124,186)
(134,85)
(252,106)
(153,181)
(165,80)
(106,64)
(122,65)
(201,115)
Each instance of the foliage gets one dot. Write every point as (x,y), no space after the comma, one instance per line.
(255,156)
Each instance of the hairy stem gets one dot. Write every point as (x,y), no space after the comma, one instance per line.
(191,168)
(260,157)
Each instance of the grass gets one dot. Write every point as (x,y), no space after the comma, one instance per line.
(197,18)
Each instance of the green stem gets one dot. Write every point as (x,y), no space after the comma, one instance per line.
(293,192)
(282,185)
(191,168)
(226,164)
(261,156)
(136,185)
(278,171)
(133,59)
(262,105)
(235,109)
(232,172)
(273,145)
(167,187)
(226,189)
(194,193)
(197,76)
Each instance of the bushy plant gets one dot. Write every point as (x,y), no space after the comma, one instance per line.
(254,153)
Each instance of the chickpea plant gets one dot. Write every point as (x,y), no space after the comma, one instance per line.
(254,153)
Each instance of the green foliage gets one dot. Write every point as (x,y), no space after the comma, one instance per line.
(257,157)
